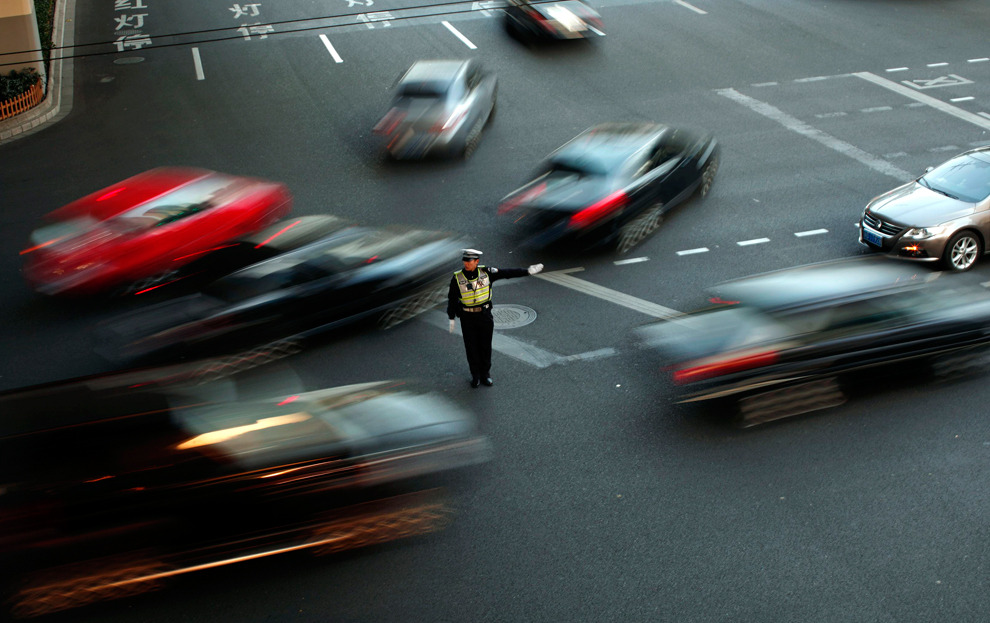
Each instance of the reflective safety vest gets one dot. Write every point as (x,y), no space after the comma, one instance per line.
(474,292)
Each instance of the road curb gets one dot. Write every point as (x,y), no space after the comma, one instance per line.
(58,101)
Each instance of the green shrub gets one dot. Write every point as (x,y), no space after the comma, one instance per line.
(17,82)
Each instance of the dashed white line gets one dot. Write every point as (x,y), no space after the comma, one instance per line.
(978,60)
(962,99)
(812,79)
(198,64)
(632,260)
(693,8)
(746,243)
(766,84)
(693,251)
(936,64)
(921,97)
(333,52)
(893,69)
(877,109)
(458,34)
(796,125)
(830,115)
(810,232)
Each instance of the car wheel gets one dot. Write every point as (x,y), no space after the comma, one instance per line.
(473,139)
(633,232)
(962,251)
(708,176)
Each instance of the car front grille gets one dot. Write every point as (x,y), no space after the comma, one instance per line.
(884,227)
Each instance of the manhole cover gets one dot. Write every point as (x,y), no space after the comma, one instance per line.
(129,60)
(512,316)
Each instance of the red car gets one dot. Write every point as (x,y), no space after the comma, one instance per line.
(146,227)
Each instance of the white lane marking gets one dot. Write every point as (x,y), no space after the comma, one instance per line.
(831,115)
(612,296)
(746,243)
(812,79)
(893,69)
(924,99)
(198,64)
(693,251)
(978,60)
(796,125)
(458,34)
(812,232)
(877,109)
(523,351)
(984,114)
(962,99)
(632,260)
(936,64)
(693,8)
(333,52)
(765,84)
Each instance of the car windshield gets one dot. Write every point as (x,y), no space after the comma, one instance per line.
(965,178)
(181,202)
(62,230)
(582,164)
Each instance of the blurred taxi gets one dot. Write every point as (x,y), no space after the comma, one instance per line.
(146,226)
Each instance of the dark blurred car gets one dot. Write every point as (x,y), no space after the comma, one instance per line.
(440,109)
(278,238)
(146,226)
(943,216)
(112,484)
(612,183)
(789,342)
(357,272)
(570,19)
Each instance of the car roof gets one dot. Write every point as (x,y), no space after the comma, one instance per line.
(432,71)
(824,283)
(608,145)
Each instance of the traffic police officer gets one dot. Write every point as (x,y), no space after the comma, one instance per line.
(470,299)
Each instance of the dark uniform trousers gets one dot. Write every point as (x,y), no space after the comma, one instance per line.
(477,328)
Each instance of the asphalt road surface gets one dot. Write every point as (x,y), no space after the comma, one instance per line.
(605,502)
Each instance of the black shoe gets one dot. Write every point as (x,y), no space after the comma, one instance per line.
(475,382)
(488,381)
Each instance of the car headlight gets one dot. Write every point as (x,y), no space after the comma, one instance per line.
(923,233)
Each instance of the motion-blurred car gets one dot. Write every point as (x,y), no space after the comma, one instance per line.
(943,216)
(146,226)
(112,484)
(570,19)
(792,341)
(612,183)
(440,108)
(357,272)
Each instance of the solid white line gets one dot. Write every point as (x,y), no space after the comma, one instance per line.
(198,63)
(962,99)
(746,243)
(693,251)
(892,69)
(333,52)
(612,296)
(810,232)
(633,260)
(693,8)
(796,125)
(924,99)
(458,34)
(936,64)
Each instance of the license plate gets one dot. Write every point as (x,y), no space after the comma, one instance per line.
(872,238)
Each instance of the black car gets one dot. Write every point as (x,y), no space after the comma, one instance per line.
(392,273)
(612,183)
(440,108)
(538,19)
(111,485)
(794,341)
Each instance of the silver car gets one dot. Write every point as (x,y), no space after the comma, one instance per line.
(943,216)
(440,109)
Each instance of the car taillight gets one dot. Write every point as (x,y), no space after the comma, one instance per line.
(725,365)
(389,122)
(514,202)
(599,210)
(451,121)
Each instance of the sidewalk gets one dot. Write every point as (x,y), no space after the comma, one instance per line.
(58,101)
